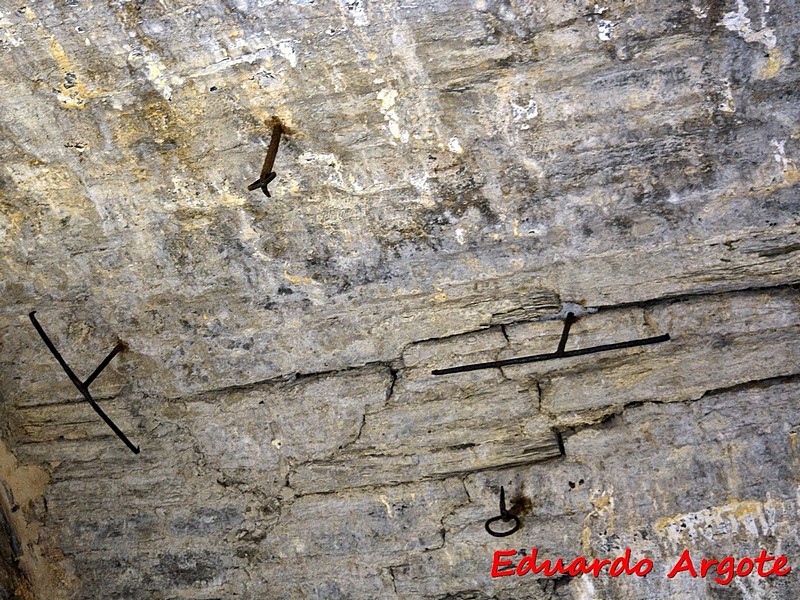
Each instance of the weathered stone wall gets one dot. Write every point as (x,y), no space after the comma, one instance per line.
(375,482)
(456,177)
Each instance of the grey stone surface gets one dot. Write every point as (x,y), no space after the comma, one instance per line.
(376,481)
(455,177)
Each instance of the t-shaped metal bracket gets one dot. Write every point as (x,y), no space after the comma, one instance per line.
(561,352)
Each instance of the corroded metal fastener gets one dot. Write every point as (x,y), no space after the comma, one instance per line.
(83,386)
(503,516)
(267,174)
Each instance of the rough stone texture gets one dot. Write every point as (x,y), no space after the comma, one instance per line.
(25,565)
(12,579)
(456,176)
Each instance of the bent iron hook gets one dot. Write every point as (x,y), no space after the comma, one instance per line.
(504,516)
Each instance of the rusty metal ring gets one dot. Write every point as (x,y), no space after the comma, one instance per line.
(506,517)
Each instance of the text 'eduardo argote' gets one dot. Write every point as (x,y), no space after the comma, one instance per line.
(724,570)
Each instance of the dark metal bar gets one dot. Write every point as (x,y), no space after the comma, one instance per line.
(551,355)
(107,419)
(266,171)
(565,334)
(262,183)
(117,349)
(272,151)
(82,387)
(73,378)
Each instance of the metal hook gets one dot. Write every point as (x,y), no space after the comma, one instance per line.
(83,386)
(504,516)
(559,353)
(266,171)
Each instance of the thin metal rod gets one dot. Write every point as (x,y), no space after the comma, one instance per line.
(73,378)
(565,334)
(266,171)
(82,387)
(272,151)
(117,349)
(109,422)
(551,355)
(262,183)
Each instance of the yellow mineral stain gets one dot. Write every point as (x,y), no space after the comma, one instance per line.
(601,502)
(791,175)
(153,71)
(229,199)
(586,541)
(15,221)
(72,97)
(57,52)
(748,508)
(297,279)
(475,264)
(196,224)
(774,64)
(738,509)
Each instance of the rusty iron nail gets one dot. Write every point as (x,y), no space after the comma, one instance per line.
(267,174)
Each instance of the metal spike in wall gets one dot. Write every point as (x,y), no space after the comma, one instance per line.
(267,174)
